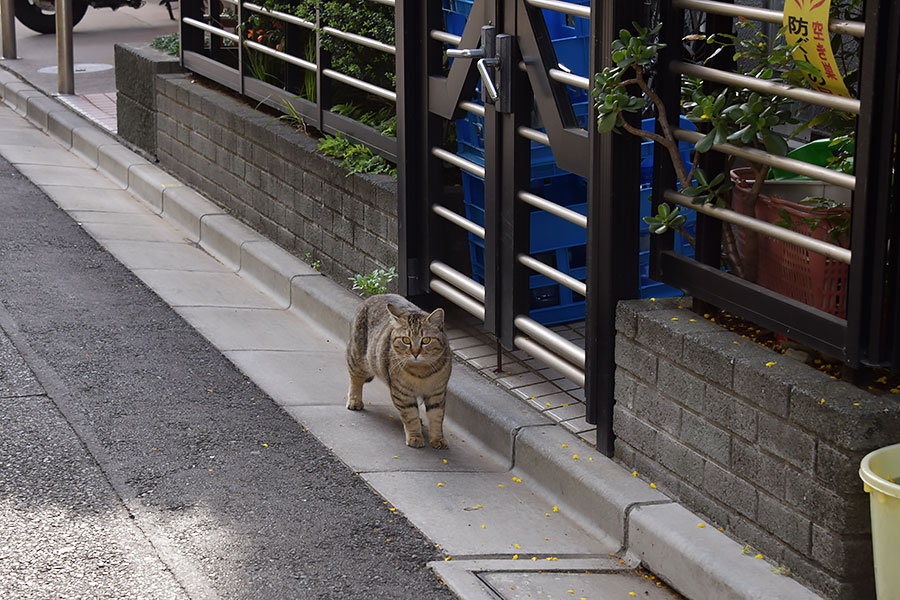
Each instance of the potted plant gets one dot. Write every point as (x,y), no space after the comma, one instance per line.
(740,117)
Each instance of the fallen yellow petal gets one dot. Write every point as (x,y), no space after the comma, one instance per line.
(516,545)
(448,558)
(758,556)
(555,509)
(515,557)
(771,363)
(440,485)
(575,457)
(701,525)
(499,485)
(634,473)
(653,485)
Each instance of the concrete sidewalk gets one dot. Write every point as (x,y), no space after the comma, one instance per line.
(514,495)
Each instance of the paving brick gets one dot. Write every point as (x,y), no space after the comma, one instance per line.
(844,555)
(711,355)
(706,438)
(702,503)
(785,523)
(681,460)
(680,384)
(784,439)
(626,318)
(761,469)
(730,489)
(637,360)
(625,387)
(813,575)
(841,513)
(838,469)
(652,406)
(634,431)
(729,412)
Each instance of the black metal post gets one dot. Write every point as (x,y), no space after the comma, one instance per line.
(191,37)
(874,165)
(612,235)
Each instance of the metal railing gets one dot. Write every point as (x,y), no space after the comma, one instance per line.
(214,47)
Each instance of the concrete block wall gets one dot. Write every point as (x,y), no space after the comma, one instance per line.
(137,66)
(763,446)
(270,176)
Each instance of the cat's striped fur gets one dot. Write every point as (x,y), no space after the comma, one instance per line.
(405,347)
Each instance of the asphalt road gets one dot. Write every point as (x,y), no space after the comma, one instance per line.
(136,461)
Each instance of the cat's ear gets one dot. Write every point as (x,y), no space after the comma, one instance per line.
(437,318)
(397,315)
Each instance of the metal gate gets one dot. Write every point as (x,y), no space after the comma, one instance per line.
(505,50)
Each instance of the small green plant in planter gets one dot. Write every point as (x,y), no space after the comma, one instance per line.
(170,44)
(375,282)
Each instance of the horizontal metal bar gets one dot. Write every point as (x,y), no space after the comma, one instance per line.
(553,208)
(762,306)
(357,132)
(768,229)
(360,85)
(361,40)
(571,372)
(766,87)
(282,16)
(773,160)
(209,28)
(232,2)
(564,7)
(466,284)
(554,274)
(458,161)
(281,55)
(458,298)
(534,135)
(458,220)
(472,107)
(854,28)
(551,340)
(385,2)
(211,69)
(569,79)
(446,38)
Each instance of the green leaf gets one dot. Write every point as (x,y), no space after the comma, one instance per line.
(607,122)
(774,143)
(705,143)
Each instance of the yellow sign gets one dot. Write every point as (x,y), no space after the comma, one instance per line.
(806,23)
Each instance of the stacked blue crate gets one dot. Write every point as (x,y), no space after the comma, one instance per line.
(554,241)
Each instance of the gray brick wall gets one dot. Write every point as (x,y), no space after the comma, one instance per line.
(270,176)
(763,446)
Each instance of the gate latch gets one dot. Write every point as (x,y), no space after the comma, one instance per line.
(494,55)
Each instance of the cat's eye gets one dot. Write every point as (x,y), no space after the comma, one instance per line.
(425,340)
(406,340)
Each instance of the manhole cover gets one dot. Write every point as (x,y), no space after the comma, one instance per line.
(79,68)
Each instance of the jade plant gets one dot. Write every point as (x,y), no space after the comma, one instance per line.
(735,116)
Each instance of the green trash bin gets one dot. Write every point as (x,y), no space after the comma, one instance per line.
(880,472)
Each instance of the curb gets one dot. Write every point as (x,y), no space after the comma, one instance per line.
(603,498)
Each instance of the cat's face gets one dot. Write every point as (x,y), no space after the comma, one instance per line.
(418,337)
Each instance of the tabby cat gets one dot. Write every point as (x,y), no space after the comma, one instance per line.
(406,348)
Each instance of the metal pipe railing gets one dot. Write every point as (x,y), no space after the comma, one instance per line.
(458,161)
(458,298)
(779,162)
(553,208)
(458,220)
(360,84)
(551,340)
(385,2)
(451,275)
(472,107)
(305,64)
(444,37)
(831,251)
(282,16)
(572,373)
(534,135)
(564,7)
(766,86)
(569,79)
(213,30)
(361,40)
(854,28)
(556,275)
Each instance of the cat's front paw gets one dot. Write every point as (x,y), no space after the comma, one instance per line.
(439,443)
(415,441)
(354,403)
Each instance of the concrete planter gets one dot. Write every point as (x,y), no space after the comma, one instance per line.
(763,446)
